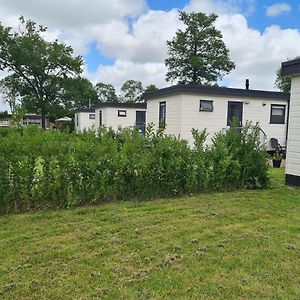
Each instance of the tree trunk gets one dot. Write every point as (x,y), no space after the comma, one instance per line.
(43,119)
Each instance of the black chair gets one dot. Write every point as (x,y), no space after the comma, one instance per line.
(276,146)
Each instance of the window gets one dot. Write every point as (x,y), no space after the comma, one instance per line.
(121,113)
(162,113)
(77,120)
(92,116)
(4,122)
(277,114)
(206,105)
(100,118)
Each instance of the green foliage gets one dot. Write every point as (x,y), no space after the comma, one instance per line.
(79,92)
(106,92)
(281,82)
(38,68)
(132,91)
(197,55)
(10,94)
(150,88)
(53,169)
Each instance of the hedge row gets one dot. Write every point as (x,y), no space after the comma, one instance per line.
(53,169)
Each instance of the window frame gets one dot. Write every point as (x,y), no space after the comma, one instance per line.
(162,114)
(122,113)
(272,121)
(206,101)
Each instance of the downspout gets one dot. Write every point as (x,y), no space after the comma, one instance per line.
(287,124)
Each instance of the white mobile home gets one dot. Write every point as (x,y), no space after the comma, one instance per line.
(114,115)
(28,119)
(85,119)
(292,69)
(183,107)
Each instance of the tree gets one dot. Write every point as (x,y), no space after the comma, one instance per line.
(37,68)
(150,88)
(106,92)
(197,55)
(132,91)
(79,92)
(281,82)
(10,95)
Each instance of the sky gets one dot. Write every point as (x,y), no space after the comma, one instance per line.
(121,40)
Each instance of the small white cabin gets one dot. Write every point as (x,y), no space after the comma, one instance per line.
(183,107)
(114,115)
(292,171)
(85,119)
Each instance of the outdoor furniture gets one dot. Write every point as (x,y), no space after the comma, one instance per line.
(276,146)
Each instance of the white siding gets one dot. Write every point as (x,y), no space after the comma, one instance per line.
(84,121)
(293,153)
(111,119)
(183,114)
(173,113)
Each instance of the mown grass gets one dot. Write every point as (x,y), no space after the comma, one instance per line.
(233,245)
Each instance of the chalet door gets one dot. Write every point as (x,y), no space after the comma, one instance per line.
(235,113)
(140,120)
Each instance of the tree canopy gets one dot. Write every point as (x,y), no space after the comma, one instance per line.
(281,82)
(150,88)
(132,91)
(37,68)
(79,92)
(106,92)
(197,54)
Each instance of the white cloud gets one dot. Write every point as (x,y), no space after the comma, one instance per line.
(145,42)
(278,9)
(257,55)
(122,70)
(74,13)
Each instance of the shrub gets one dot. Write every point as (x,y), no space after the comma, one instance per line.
(56,169)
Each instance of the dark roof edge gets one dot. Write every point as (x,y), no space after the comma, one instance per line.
(122,105)
(291,67)
(212,90)
(87,110)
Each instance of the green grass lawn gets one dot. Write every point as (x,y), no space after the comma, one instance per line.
(233,245)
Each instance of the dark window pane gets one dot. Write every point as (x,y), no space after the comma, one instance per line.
(277,114)
(162,113)
(206,105)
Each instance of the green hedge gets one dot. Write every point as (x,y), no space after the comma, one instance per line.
(54,169)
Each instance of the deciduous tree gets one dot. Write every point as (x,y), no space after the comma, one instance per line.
(132,91)
(37,68)
(197,54)
(106,92)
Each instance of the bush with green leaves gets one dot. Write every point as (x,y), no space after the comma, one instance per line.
(58,169)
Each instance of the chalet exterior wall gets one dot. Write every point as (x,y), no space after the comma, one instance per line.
(113,115)
(28,119)
(183,113)
(292,69)
(85,119)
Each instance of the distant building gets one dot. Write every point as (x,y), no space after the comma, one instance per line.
(28,119)
(114,115)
